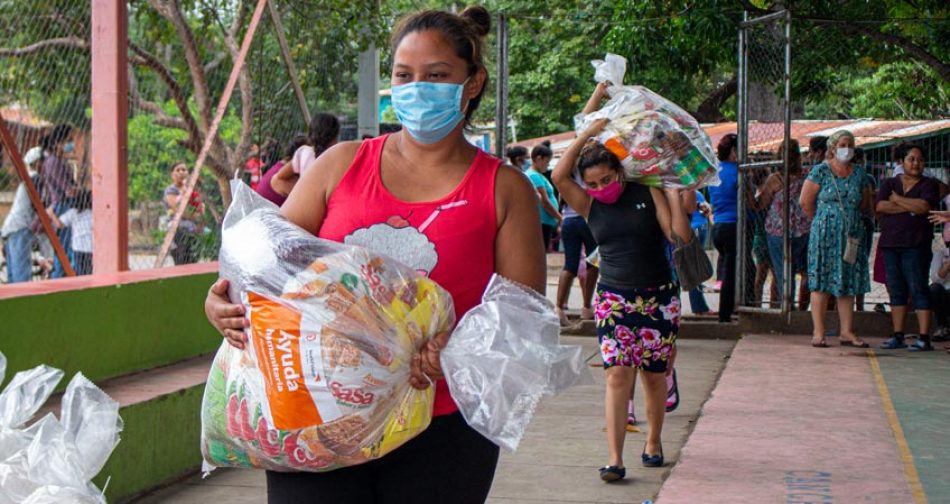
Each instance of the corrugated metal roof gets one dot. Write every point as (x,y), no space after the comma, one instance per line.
(766,137)
(22,115)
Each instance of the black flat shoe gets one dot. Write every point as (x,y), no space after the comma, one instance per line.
(612,473)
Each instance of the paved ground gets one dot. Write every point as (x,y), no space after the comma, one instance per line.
(558,458)
(791,423)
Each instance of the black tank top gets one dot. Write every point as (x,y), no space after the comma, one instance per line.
(631,243)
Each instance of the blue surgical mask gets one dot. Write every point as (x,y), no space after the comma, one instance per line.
(428,110)
(69,147)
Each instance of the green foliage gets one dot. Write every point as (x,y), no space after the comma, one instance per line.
(891,91)
(154,149)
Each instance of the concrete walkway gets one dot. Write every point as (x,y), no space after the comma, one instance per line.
(558,459)
(795,424)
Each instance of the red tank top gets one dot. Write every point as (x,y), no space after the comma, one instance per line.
(452,240)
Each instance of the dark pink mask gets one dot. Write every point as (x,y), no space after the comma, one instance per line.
(609,194)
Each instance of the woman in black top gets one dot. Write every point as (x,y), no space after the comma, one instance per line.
(637,308)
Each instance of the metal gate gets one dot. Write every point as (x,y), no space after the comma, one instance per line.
(765,108)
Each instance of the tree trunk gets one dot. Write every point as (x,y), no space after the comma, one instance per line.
(224,185)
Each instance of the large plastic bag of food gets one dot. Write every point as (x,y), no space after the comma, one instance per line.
(504,356)
(324,379)
(657,142)
(62,456)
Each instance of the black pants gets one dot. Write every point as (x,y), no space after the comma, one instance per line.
(940,303)
(724,238)
(546,233)
(448,463)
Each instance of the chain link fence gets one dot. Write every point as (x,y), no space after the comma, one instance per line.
(828,91)
(177,71)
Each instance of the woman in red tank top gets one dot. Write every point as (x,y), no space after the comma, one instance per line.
(432,200)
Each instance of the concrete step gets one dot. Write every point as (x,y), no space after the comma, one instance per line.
(160,441)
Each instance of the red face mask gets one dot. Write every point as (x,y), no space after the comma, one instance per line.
(609,194)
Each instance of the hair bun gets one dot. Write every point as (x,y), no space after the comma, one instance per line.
(479,17)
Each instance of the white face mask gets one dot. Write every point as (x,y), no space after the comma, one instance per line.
(844,154)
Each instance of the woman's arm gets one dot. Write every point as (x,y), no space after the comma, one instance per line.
(671,215)
(284,180)
(690,204)
(770,188)
(913,205)
(562,176)
(518,256)
(809,198)
(546,204)
(596,98)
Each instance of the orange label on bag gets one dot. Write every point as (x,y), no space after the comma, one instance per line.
(613,145)
(276,332)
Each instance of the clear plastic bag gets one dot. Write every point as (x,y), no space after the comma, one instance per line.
(324,380)
(504,356)
(19,401)
(657,142)
(55,460)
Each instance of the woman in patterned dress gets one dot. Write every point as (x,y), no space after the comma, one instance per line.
(833,196)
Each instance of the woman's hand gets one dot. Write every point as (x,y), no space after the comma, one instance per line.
(596,98)
(600,91)
(939,216)
(595,128)
(426,365)
(226,317)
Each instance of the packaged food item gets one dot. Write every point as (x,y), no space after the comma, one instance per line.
(323,382)
(657,142)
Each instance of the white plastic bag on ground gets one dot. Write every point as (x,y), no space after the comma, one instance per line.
(19,401)
(53,460)
(504,356)
(92,420)
(657,142)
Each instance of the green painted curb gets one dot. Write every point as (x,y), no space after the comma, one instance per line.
(109,331)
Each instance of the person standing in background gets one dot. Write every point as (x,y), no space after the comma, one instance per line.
(278,194)
(59,184)
(904,202)
(773,199)
(547,202)
(518,157)
(724,200)
(323,133)
(79,220)
(186,241)
(695,204)
(940,291)
(833,195)
(17,234)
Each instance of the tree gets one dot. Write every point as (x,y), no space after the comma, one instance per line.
(183,51)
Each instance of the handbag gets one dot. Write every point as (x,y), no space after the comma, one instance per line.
(852,243)
(691,263)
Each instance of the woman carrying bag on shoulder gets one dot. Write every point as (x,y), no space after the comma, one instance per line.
(637,307)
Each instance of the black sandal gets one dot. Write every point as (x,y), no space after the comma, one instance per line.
(612,473)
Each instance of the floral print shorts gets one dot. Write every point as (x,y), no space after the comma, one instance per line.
(637,327)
